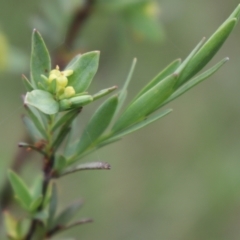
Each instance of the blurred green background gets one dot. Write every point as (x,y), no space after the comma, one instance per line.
(178,179)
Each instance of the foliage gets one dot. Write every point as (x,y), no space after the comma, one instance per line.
(55,98)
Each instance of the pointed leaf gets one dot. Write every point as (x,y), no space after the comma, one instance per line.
(36,203)
(84,68)
(123,92)
(20,189)
(163,74)
(196,80)
(143,123)
(36,120)
(66,119)
(29,87)
(32,130)
(40,60)
(43,101)
(52,206)
(98,123)
(207,51)
(67,214)
(146,104)
(59,164)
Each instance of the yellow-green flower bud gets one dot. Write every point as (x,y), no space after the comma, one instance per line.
(75,102)
(69,92)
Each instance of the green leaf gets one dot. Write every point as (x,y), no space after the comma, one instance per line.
(32,130)
(36,120)
(98,123)
(139,125)
(36,203)
(194,81)
(20,189)
(40,59)
(207,51)
(43,101)
(52,206)
(36,188)
(67,214)
(60,137)
(84,68)
(103,92)
(29,87)
(123,92)
(11,225)
(163,74)
(146,104)
(59,164)
(66,119)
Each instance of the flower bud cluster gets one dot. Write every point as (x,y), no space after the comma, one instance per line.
(58,83)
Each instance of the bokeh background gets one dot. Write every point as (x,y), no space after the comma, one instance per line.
(178,179)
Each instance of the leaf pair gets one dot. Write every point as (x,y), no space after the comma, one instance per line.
(29,201)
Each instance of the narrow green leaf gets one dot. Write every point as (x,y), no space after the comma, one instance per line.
(207,51)
(87,166)
(36,188)
(35,203)
(194,81)
(98,123)
(43,101)
(123,92)
(59,164)
(52,206)
(40,59)
(32,130)
(20,189)
(29,87)
(146,104)
(84,68)
(103,92)
(135,127)
(163,74)
(11,225)
(67,214)
(234,14)
(60,137)
(36,120)
(66,119)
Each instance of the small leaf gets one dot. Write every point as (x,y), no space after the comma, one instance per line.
(66,119)
(43,101)
(139,125)
(207,51)
(29,87)
(60,137)
(20,189)
(87,166)
(59,164)
(163,74)
(32,130)
(36,120)
(84,68)
(52,206)
(67,214)
(36,188)
(36,203)
(146,104)
(11,225)
(123,92)
(40,59)
(103,92)
(98,123)
(194,81)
